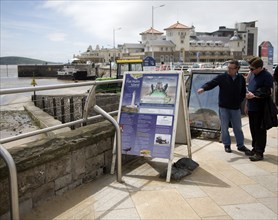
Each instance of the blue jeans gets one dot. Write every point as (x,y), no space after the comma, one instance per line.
(233,116)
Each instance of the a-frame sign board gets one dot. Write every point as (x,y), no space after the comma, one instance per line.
(153,115)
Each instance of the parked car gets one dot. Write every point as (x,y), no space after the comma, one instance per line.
(183,67)
(202,65)
(244,67)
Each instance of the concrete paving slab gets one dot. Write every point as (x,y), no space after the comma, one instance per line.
(268,165)
(250,169)
(121,214)
(190,191)
(205,207)
(271,203)
(269,181)
(165,204)
(258,191)
(237,177)
(228,195)
(250,211)
(222,217)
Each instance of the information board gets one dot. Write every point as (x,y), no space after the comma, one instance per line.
(203,108)
(149,64)
(147,114)
(150,107)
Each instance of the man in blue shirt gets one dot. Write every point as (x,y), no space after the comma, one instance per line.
(259,89)
(232,91)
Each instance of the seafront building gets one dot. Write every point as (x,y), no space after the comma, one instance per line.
(181,43)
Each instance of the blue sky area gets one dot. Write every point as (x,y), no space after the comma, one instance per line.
(56,30)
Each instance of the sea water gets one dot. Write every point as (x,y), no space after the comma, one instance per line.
(9,79)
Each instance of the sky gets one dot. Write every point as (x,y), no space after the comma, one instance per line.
(55,30)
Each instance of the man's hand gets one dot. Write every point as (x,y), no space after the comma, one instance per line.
(250,95)
(201,90)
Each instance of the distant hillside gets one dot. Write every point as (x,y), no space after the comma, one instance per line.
(21,60)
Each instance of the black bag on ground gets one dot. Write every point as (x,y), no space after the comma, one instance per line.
(181,168)
(186,163)
(176,173)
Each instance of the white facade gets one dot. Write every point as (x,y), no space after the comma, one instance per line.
(179,34)
(182,43)
(248,32)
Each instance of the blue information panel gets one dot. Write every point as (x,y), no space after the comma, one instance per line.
(147,113)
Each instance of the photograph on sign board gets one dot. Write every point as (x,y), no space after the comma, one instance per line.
(162,139)
(131,93)
(145,153)
(203,108)
(164,120)
(158,90)
(132,107)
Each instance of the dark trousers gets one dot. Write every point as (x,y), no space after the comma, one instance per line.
(258,134)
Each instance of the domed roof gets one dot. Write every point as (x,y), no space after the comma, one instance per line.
(235,37)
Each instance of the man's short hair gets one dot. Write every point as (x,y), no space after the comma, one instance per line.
(256,62)
(234,62)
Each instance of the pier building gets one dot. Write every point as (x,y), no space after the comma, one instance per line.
(181,43)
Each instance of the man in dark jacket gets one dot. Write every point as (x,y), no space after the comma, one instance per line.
(275,76)
(259,90)
(232,91)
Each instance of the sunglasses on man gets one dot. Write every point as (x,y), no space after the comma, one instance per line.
(252,68)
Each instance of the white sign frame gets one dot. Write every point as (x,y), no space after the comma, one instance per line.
(179,127)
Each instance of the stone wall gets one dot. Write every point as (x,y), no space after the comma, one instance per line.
(38,70)
(54,165)
(66,108)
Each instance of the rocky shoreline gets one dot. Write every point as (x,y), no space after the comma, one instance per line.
(16,122)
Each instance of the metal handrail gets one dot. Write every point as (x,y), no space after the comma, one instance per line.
(7,156)
(52,128)
(14,206)
(58,86)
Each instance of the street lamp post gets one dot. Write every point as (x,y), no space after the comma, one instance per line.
(153,7)
(153,13)
(114,30)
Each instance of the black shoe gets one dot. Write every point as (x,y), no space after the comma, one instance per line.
(256,157)
(250,153)
(246,151)
(243,148)
(228,149)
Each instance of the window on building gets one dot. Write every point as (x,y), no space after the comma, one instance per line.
(250,45)
(182,41)
(171,58)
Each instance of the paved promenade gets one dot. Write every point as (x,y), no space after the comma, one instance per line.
(224,186)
